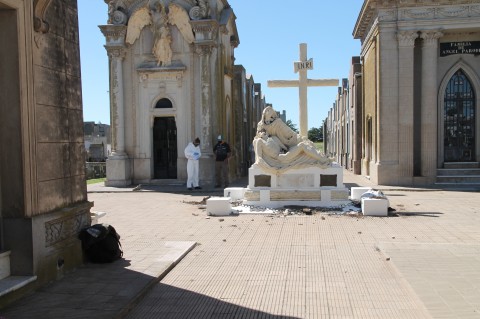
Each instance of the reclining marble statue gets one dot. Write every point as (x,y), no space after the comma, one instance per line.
(278,148)
(288,169)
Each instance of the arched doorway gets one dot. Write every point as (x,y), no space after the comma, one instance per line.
(164,148)
(459,119)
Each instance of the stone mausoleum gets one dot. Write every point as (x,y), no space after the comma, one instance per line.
(43,193)
(411,112)
(171,77)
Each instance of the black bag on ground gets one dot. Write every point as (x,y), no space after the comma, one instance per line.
(101,243)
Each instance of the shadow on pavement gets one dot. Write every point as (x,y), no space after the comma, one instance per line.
(165,301)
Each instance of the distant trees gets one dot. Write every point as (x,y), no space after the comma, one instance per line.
(315,134)
(292,125)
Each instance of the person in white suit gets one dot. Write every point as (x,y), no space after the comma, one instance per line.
(192,153)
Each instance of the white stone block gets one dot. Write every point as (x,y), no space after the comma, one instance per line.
(96,216)
(357,192)
(219,206)
(374,207)
(235,193)
(4,264)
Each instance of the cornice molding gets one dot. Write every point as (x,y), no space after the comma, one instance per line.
(413,10)
(114,34)
(206,26)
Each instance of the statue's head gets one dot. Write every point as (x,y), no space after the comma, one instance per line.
(269,115)
(155,5)
(262,134)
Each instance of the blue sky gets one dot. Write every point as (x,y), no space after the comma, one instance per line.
(270,33)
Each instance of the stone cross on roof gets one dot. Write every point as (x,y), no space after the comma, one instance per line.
(303,83)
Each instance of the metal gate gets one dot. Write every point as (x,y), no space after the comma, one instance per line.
(459,119)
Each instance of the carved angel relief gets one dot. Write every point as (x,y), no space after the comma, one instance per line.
(156,15)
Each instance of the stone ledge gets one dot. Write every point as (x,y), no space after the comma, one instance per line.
(12,283)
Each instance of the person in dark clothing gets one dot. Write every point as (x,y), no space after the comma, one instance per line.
(222,154)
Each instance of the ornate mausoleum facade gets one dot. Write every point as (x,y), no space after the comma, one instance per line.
(420,107)
(171,80)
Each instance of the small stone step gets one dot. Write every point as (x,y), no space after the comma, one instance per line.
(4,264)
(458,171)
(461,165)
(12,283)
(459,179)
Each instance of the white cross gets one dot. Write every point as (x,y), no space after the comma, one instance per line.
(302,83)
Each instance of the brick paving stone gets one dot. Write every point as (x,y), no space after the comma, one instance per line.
(420,262)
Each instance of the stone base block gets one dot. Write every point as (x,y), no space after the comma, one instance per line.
(277,198)
(95,216)
(118,172)
(235,193)
(219,206)
(4,264)
(301,178)
(309,186)
(374,207)
(357,192)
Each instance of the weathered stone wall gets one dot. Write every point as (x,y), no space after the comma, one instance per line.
(60,148)
(44,140)
(62,207)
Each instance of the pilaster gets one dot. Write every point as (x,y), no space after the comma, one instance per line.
(118,164)
(206,99)
(387,110)
(115,46)
(406,45)
(205,43)
(117,105)
(429,102)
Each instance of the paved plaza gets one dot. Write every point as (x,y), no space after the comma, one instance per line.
(423,261)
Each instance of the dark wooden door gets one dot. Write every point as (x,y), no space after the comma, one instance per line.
(165,148)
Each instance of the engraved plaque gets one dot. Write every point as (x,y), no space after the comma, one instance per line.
(295,195)
(328,180)
(296,181)
(263,181)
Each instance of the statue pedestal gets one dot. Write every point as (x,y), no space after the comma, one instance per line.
(311,186)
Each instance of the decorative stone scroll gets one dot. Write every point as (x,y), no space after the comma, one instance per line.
(40,8)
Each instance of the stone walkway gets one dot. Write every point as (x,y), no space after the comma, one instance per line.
(422,261)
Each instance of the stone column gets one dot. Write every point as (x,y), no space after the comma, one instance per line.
(406,45)
(118,163)
(208,83)
(117,105)
(429,102)
(205,31)
(204,52)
